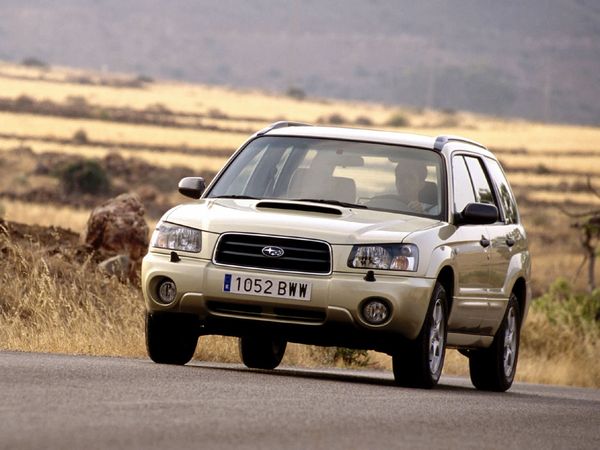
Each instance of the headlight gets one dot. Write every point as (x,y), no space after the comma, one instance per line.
(176,237)
(387,257)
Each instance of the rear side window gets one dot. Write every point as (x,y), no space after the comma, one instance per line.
(507,199)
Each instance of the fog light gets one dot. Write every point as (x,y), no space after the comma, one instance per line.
(376,311)
(166,291)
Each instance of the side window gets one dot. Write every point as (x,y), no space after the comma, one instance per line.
(463,189)
(507,199)
(483,190)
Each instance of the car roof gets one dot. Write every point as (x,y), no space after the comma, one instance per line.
(358,134)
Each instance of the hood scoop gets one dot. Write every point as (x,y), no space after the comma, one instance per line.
(293,206)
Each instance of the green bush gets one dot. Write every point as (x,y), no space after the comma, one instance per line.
(579,311)
(86,176)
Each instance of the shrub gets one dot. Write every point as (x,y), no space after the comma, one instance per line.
(398,119)
(33,62)
(363,121)
(215,113)
(78,101)
(564,324)
(333,119)
(145,79)
(561,305)
(85,176)
(296,93)
(80,137)
(542,169)
(449,121)
(77,106)
(351,357)
(158,108)
(82,79)
(561,338)
(24,102)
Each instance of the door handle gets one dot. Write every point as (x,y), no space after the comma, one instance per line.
(485,242)
(510,242)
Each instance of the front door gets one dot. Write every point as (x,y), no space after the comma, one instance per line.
(471,256)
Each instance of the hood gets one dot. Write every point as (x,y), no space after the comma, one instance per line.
(336,225)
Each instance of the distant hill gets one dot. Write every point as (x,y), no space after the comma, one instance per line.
(538,59)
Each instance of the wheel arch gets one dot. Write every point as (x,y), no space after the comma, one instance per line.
(520,291)
(446,278)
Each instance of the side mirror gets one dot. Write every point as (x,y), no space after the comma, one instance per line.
(477,214)
(192,187)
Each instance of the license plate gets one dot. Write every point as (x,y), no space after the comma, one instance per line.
(267,287)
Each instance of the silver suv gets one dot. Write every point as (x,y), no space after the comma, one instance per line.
(363,239)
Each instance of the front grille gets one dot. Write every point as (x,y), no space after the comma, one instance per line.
(300,255)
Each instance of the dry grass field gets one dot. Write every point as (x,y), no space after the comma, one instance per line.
(41,214)
(174,158)
(194,128)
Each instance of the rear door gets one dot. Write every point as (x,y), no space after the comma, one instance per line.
(508,242)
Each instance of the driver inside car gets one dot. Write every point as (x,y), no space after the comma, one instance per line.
(411,184)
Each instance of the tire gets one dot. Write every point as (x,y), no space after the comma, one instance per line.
(171,338)
(494,368)
(419,363)
(262,352)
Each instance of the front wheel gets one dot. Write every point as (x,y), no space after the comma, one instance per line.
(419,363)
(171,338)
(262,352)
(494,368)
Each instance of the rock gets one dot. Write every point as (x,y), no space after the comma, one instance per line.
(117,227)
(119,266)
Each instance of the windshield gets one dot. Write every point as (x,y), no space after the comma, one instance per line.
(347,173)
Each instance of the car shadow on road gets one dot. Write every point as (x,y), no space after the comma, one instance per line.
(449,385)
(352,376)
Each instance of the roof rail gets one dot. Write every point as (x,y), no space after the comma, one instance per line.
(282,124)
(440,141)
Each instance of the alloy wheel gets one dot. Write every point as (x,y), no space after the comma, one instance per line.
(436,337)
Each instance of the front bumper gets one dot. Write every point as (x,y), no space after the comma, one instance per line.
(331,317)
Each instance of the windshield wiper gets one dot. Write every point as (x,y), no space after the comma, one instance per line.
(239,197)
(331,202)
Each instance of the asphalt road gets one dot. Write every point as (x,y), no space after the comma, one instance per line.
(55,401)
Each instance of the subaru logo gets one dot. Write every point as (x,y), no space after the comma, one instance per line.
(273,252)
